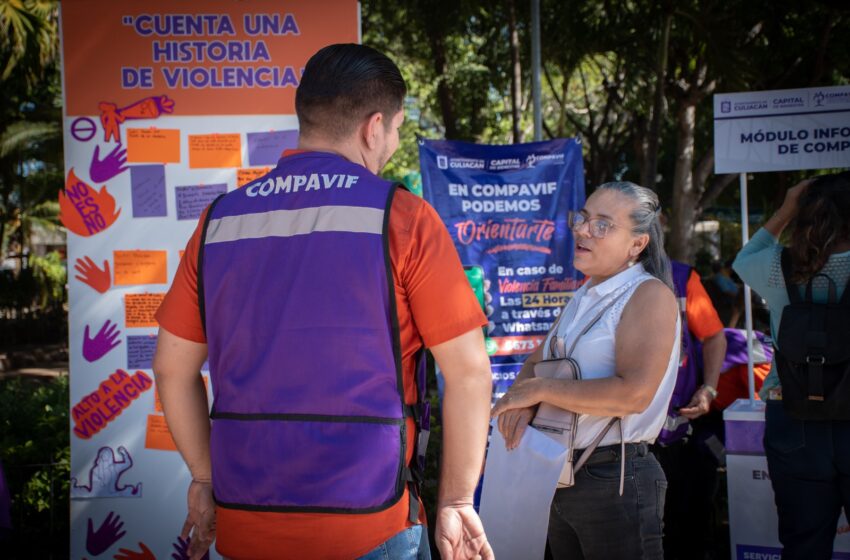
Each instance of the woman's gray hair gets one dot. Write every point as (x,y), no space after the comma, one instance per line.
(646,219)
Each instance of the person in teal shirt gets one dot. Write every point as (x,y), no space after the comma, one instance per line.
(808,460)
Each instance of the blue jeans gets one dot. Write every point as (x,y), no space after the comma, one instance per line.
(809,465)
(410,544)
(592,521)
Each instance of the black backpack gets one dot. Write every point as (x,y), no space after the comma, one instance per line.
(813,352)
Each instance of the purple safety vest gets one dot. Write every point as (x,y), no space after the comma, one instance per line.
(298,303)
(689,375)
(736,349)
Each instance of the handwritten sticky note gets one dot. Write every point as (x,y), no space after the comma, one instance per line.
(192,200)
(215,150)
(140,267)
(248,174)
(153,145)
(157,434)
(139,309)
(147,188)
(265,148)
(140,351)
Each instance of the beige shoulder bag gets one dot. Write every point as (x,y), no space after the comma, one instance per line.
(562,424)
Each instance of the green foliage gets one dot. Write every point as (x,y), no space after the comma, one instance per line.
(35,449)
(30,120)
(50,276)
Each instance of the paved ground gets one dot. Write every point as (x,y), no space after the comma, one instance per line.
(34,361)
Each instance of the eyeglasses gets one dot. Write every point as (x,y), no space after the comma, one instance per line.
(599,227)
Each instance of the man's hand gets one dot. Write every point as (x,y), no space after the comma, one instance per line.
(200,523)
(460,535)
(699,405)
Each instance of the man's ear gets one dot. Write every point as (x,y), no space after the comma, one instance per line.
(369,129)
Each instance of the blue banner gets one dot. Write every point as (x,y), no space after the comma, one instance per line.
(506,209)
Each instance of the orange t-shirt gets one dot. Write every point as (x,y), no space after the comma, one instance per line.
(434,303)
(703,320)
(734,384)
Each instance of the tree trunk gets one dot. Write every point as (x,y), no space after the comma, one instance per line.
(516,73)
(444,93)
(650,164)
(685,196)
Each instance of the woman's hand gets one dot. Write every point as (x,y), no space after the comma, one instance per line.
(788,211)
(512,424)
(516,408)
(791,204)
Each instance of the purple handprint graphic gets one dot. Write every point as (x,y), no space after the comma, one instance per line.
(109,533)
(102,170)
(181,550)
(105,340)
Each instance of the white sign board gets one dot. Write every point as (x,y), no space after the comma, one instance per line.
(782,130)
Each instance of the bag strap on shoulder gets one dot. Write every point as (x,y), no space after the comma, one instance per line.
(610,303)
(793,292)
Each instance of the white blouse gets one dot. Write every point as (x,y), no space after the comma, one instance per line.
(595,355)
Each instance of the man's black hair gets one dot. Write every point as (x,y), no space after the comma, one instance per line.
(342,85)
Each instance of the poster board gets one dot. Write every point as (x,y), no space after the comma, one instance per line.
(166,106)
(505,208)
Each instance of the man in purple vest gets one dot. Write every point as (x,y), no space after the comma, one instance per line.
(680,448)
(313,292)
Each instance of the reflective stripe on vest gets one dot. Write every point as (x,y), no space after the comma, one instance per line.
(287,223)
(304,351)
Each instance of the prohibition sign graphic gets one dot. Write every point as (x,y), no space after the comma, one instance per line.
(83,129)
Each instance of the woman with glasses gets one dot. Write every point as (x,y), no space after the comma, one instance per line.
(620,330)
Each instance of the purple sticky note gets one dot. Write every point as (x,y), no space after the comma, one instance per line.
(140,351)
(192,200)
(265,148)
(147,185)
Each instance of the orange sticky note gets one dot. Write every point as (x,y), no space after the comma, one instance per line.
(140,267)
(215,150)
(248,174)
(153,145)
(181,251)
(139,309)
(157,434)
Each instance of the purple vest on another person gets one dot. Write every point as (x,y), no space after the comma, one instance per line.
(689,376)
(736,349)
(299,308)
